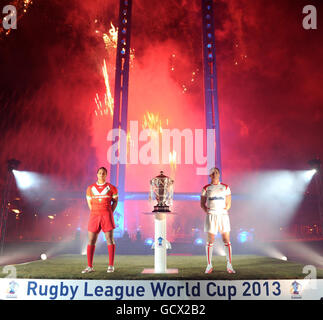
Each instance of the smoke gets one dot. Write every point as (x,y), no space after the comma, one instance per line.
(269,100)
(269,201)
(268,86)
(269,78)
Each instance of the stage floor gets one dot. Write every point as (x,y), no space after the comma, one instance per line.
(189,268)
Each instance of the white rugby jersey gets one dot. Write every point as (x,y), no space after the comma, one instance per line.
(215,197)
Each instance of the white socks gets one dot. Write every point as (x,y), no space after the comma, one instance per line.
(209,251)
(228,251)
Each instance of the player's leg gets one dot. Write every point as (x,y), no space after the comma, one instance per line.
(228,251)
(111,249)
(92,237)
(209,251)
(93,232)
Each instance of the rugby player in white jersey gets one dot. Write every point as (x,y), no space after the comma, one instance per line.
(216,202)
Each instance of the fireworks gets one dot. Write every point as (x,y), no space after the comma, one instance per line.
(100,110)
(111,42)
(187,84)
(130,142)
(172,163)
(111,39)
(108,106)
(108,96)
(240,57)
(172,159)
(27,3)
(152,122)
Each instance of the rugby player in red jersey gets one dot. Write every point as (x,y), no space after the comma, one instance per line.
(102,199)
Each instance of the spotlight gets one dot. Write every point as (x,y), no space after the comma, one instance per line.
(244,236)
(149,241)
(198,241)
(284,258)
(43,256)
(23,178)
(310,173)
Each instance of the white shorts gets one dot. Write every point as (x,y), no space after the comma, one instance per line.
(215,223)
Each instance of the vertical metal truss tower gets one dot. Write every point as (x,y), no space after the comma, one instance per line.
(4,210)
(120,114)
(12,165)
(210,79)
(319,188)
(317,165)
(117,170)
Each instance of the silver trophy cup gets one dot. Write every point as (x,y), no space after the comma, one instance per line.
(162,189)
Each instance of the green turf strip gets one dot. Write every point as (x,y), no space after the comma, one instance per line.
(189,268)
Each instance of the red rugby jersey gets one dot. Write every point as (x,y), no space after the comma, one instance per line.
(101,196)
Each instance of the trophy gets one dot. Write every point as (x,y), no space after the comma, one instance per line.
(161,190)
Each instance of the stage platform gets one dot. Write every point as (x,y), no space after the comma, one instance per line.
(256,278)
(190,267)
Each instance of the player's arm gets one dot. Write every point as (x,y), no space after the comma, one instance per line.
(89,202)
(228,202)
(114,200)
(89,198)
(203,203)
(114,203)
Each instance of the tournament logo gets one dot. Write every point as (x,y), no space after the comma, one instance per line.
(12,289)
(295,290)
(160,241)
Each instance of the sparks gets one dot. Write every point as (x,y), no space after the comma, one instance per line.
(172,159)
(108,99)
(111,39)
(108,96)
(153,122)
(130,142)
(172,163)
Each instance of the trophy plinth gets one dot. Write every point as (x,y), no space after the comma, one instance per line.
(161,188)
(161,209)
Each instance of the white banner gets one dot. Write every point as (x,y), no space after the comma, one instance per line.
(49,289)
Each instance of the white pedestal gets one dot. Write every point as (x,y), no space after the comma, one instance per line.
(160,246)
(149,271)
